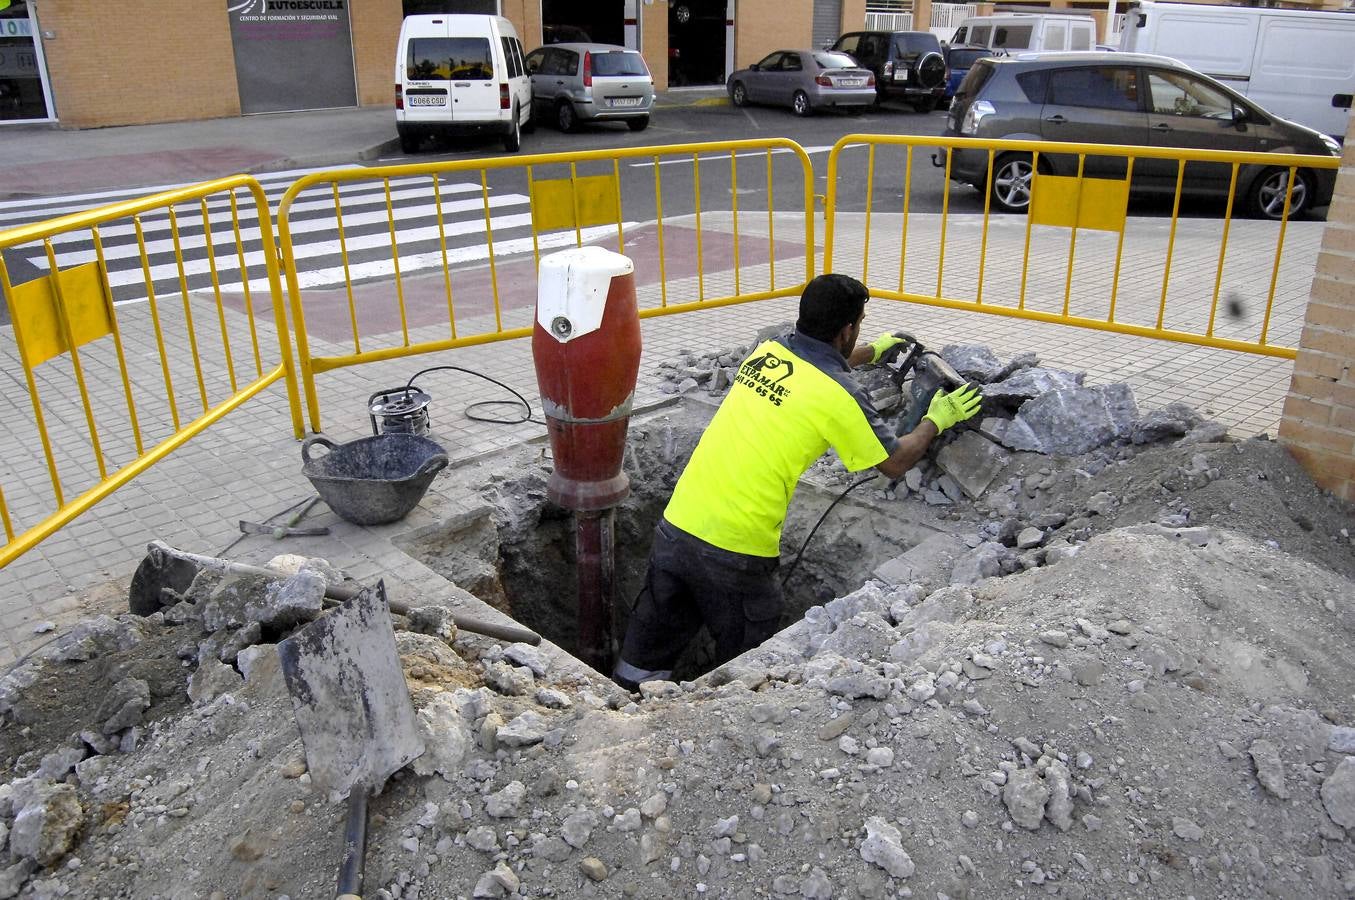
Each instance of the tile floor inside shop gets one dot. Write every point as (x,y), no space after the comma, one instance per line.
(248,467)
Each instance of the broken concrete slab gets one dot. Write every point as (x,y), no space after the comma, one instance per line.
(1071,421)
(1028,384)
(1172,420)
(973,461)
(47,825)
(285,604)
(929,563)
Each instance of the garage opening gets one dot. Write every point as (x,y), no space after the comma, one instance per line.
(588,21)
(696,42)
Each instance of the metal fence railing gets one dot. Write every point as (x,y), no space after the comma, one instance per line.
(1078,258)
(135,327)
(704,221)
(948,16)
(889,21)
(138,325)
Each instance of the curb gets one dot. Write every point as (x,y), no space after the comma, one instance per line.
(335,160)
(669,101)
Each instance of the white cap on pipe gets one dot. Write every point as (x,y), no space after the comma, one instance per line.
(571,291)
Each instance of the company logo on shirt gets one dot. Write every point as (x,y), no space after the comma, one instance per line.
(764,376)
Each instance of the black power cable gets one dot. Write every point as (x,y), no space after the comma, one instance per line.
(526,416)
(790,570)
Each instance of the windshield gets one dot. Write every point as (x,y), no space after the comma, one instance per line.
(920,42)
(616,62)
(834,61)
(963,59)
(448,58)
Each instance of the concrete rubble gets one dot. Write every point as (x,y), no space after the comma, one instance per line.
(1119,667)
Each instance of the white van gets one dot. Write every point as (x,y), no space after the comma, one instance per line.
(460,74)
(1299,64)
(1014,32)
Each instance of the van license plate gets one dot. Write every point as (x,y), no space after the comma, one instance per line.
(626,101)
(901,76)
(424,100)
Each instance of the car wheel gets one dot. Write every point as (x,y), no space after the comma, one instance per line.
(926,105)
(1012,175)
(512,141)
(565,117)
(738,94)
(800,104)
(1269,189)
(639,124)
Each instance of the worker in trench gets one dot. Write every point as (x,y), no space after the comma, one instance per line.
(717,548)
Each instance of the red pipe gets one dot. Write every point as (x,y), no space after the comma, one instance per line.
(595,554)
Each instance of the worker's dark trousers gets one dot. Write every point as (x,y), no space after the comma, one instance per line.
(691,583)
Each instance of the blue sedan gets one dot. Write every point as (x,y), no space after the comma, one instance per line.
(804,80)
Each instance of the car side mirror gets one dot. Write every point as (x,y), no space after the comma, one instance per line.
(1240,116)
(755,68)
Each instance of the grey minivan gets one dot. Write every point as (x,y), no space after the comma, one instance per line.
(1127,98)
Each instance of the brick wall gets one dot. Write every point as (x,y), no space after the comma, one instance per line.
(526,18)
(853,16)
(654,42)
(376,30)
(138,61)
(1318,425)
(760,28)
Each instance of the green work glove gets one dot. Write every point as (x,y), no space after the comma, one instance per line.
(881,345)
(951,409)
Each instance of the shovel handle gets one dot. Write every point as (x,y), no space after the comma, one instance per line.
(336,594)
(354,846)
(514,634)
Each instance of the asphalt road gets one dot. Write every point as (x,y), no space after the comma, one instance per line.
(859,187)
(817,133)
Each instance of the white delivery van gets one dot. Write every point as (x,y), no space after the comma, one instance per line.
(460,74)
(1014,32)
(1298,64)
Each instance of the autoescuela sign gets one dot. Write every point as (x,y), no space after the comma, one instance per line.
(292,54)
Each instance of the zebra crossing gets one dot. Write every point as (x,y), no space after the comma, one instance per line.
(210,243)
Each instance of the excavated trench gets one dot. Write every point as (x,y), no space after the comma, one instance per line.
(517,552)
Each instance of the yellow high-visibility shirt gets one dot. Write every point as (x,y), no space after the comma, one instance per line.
(793,398)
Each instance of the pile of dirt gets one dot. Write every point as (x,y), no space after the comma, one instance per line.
(1124,672)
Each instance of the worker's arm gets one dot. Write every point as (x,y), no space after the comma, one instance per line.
(864,353)
(911,448)
(946,410)
(871,353)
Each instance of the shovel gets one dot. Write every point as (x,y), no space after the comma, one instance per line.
(166,573)
(353,710)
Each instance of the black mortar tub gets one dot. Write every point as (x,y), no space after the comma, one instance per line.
(373,480)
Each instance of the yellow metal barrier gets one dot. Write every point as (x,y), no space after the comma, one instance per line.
(1066,262)
(104,358)
(434,272)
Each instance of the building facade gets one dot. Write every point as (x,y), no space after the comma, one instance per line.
(86,65)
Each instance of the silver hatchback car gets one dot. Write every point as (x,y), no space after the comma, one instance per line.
(573,83)
(804,80)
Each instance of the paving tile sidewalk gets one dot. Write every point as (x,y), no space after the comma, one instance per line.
(248,466)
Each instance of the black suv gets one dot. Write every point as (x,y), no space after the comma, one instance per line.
(1127,98)
(907,64)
